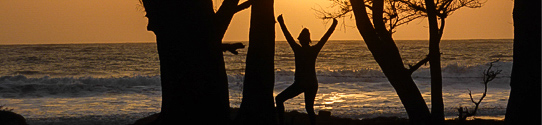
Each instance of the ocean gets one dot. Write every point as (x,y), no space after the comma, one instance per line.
(55,81)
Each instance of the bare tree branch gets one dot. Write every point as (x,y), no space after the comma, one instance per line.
(470,94)
(225,14)
(418,65)
(489,75)
(243,6)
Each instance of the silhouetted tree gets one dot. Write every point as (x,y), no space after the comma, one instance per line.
(524,102)
(437,10)
(437,103)
(193,76)
(399,12)
(385,52)
(257,107)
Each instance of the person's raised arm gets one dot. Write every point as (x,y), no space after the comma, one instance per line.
(287,34)
(326,36)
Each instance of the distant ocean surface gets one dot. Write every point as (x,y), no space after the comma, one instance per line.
(78,80)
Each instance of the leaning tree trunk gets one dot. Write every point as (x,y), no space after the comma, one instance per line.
(524,102)
(258,105)
(386,54)
(437,103)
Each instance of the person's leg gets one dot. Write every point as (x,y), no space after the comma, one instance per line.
(288,93)
(310,95)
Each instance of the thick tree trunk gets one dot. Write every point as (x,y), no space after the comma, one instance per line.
(386,54)
(193,77)
(258,104)
(437,103)
(524,102)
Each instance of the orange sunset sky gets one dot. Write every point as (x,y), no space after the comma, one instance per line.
(120,21)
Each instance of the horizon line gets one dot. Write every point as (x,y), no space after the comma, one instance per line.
(128,42)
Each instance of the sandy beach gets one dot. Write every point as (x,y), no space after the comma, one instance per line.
(123,119)
(293,118)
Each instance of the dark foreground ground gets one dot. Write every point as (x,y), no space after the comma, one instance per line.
(325,118)
(291,118)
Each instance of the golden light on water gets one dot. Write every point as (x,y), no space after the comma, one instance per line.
(83,106)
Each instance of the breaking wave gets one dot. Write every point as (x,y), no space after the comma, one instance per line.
(22,86)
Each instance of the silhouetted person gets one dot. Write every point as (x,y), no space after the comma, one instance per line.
(305,80)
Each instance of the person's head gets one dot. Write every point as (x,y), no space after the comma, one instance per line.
(304,37)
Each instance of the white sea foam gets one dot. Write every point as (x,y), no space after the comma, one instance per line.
(346,93)
(75,80)
(21,86)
